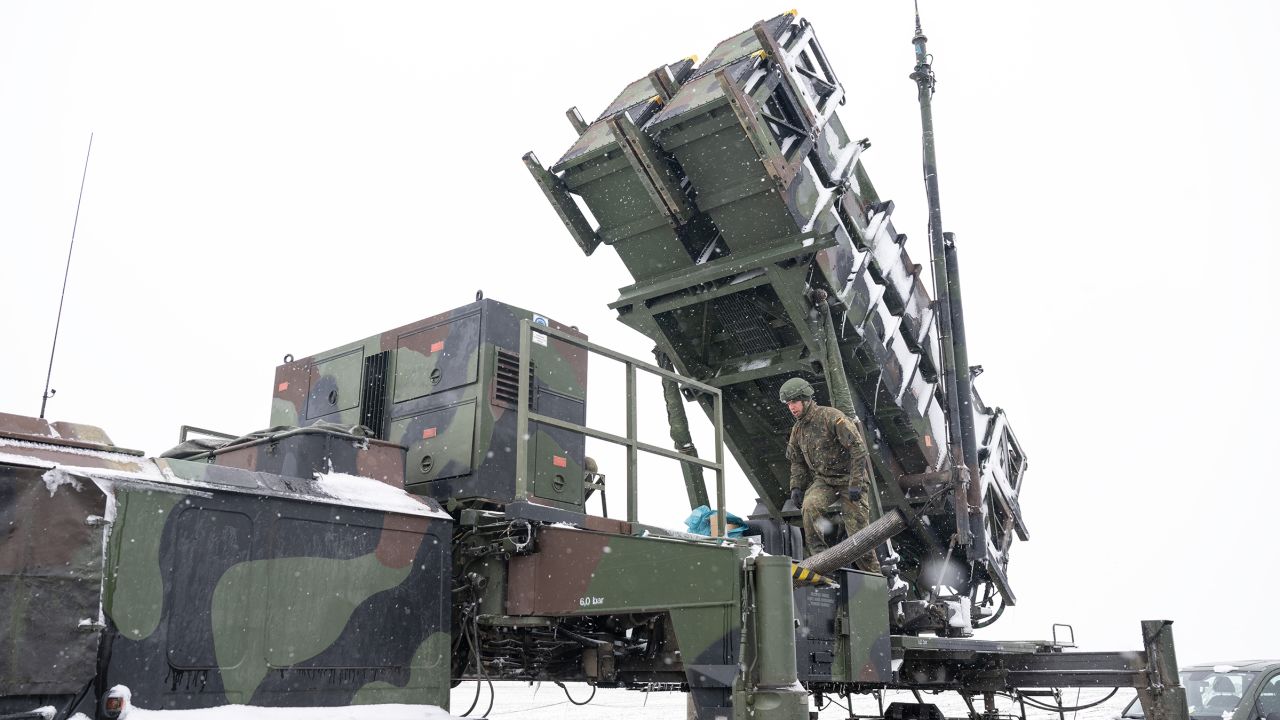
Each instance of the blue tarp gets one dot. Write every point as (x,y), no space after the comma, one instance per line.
(699,522)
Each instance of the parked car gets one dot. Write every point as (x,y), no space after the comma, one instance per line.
(1248,690)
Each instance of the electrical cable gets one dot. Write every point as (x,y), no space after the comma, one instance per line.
(491,697)
(466,636)
(473,641)
(832,701)
(475,629)
(1061,708)
(528,709)
(474,700)
(570,697)
(978,625)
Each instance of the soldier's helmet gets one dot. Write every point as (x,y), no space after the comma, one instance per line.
(795,389)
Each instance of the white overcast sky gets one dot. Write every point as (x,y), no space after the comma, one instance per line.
(272,178)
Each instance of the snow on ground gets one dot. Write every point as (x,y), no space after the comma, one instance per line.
(250,712)
(545,701)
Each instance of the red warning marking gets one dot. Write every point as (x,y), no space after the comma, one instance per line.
(559,461)
(437,346)
(428,433)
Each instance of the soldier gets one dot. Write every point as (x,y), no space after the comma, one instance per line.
(828,466)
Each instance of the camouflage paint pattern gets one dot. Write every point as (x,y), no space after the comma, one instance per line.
(232,578)
(828,458)
(780,205)
(579,572)
(243,599)
(575,572)
(605,166)
(216,584)
(826,445)
(50,580)
(827,506)
(51,548)
(223,583)
(446,391)
(303,454)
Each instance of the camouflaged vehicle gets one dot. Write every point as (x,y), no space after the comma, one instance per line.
(416,514)
(735,194)
(290,567)
(210,580)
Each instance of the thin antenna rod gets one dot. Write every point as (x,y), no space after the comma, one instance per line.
(44,399)
(925,81)
(957,382)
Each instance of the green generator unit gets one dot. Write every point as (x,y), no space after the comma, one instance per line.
(446,389)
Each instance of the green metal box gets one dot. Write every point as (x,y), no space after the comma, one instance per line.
(445,388)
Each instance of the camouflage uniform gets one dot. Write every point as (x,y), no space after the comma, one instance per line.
(828,457)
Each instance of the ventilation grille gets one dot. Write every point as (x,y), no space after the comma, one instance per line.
(373,394)
(506,379)
(745,323)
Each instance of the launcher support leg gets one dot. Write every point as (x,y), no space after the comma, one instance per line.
(1163,698)
(767,687)
(678,421)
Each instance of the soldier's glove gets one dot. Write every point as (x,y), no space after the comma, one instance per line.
(855,493)
(797,497)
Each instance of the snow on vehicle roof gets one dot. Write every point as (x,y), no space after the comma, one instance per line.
(63,465)
(367,492)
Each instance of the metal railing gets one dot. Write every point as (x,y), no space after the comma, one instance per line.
(633,445)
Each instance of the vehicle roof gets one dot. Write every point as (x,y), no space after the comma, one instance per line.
(1255,665)
(35,444)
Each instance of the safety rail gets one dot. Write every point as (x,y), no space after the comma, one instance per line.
(633,445)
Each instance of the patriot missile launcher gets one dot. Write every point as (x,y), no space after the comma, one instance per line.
(735,194)
(416,515)
(290,567)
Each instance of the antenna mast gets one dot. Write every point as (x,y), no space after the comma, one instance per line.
(955,359)
(44,398)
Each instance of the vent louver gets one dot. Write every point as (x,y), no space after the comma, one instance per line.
(373,394)
(506,379)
